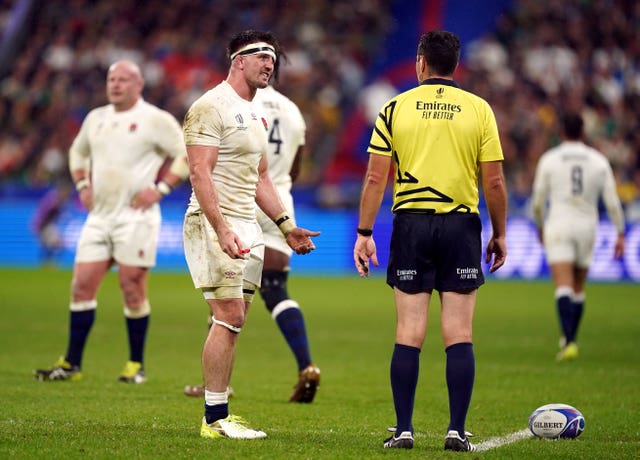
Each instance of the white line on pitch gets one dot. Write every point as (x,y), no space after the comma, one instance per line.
(503,440)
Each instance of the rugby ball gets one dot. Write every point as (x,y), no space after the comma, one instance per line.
(553,421)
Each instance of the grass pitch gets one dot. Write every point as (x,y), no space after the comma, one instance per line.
(351,323)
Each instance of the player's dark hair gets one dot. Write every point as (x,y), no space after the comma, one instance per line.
(572,125)
(441,50)
(282,57)
(246,37)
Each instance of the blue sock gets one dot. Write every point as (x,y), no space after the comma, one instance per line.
(460,374)
(405,367)
(563,304)
(137,331)
(80,323)
(291,324)
(217,412)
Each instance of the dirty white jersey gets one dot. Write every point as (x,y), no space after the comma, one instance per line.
(287,131)
(124,151)
(221,118)
(571,177)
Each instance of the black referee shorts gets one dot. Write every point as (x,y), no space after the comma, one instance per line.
(435,251)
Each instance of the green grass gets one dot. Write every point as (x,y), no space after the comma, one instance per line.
(351,328)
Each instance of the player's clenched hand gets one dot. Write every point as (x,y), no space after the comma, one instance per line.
(299,239)
(363,250)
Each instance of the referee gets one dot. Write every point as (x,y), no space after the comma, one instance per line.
(439,139)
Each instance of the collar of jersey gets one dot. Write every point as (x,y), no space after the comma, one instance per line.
(439,81)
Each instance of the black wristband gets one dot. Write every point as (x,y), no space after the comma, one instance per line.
(282,220)
(365,231)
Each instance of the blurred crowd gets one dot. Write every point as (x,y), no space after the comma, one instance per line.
(59,72)
(542,58)
(550,56)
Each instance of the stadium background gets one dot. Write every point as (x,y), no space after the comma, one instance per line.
(346,57)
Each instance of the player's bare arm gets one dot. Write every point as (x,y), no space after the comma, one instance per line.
(202,159)
(495,193)
(375,183)
(267,198)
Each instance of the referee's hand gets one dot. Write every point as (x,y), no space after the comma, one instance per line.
(363,250)
(496,247)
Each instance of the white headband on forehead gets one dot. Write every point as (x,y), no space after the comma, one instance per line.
(255,48)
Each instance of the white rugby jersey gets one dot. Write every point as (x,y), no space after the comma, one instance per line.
(125,151)
(221,118)
(571,177)
(287,131)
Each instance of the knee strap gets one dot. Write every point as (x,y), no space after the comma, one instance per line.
(234,329)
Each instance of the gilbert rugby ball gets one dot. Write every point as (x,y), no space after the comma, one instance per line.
(553,421)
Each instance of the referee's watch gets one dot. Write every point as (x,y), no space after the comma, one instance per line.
(365,231)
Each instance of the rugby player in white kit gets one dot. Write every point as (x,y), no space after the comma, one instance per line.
(115,161)
(571,178)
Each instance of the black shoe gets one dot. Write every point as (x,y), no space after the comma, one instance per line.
(454,442)
(404,441)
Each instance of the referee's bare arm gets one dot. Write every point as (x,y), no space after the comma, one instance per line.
(375,183)
(495,194)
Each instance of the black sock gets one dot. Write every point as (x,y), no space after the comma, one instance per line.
(217,412)
(405,367)
(563,304)
(80,323)
(577,309)
(460,375)
(137,331)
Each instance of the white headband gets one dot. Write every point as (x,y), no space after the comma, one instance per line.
(255,48)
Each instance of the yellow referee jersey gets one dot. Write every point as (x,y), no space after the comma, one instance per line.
(437,134)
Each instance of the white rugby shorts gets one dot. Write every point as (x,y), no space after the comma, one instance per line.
(569,242)
(273,237)
(130,239)
(209,266)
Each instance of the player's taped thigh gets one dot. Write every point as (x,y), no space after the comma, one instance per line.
(248,291)
(222,292)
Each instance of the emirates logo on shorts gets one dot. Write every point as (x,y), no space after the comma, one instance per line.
(140,253)
(229,275)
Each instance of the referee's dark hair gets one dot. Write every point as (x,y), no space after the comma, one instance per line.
(572,125)
(441,50)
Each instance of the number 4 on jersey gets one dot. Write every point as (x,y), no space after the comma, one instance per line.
(274,136)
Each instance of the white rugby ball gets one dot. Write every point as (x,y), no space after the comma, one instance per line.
(553,421)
